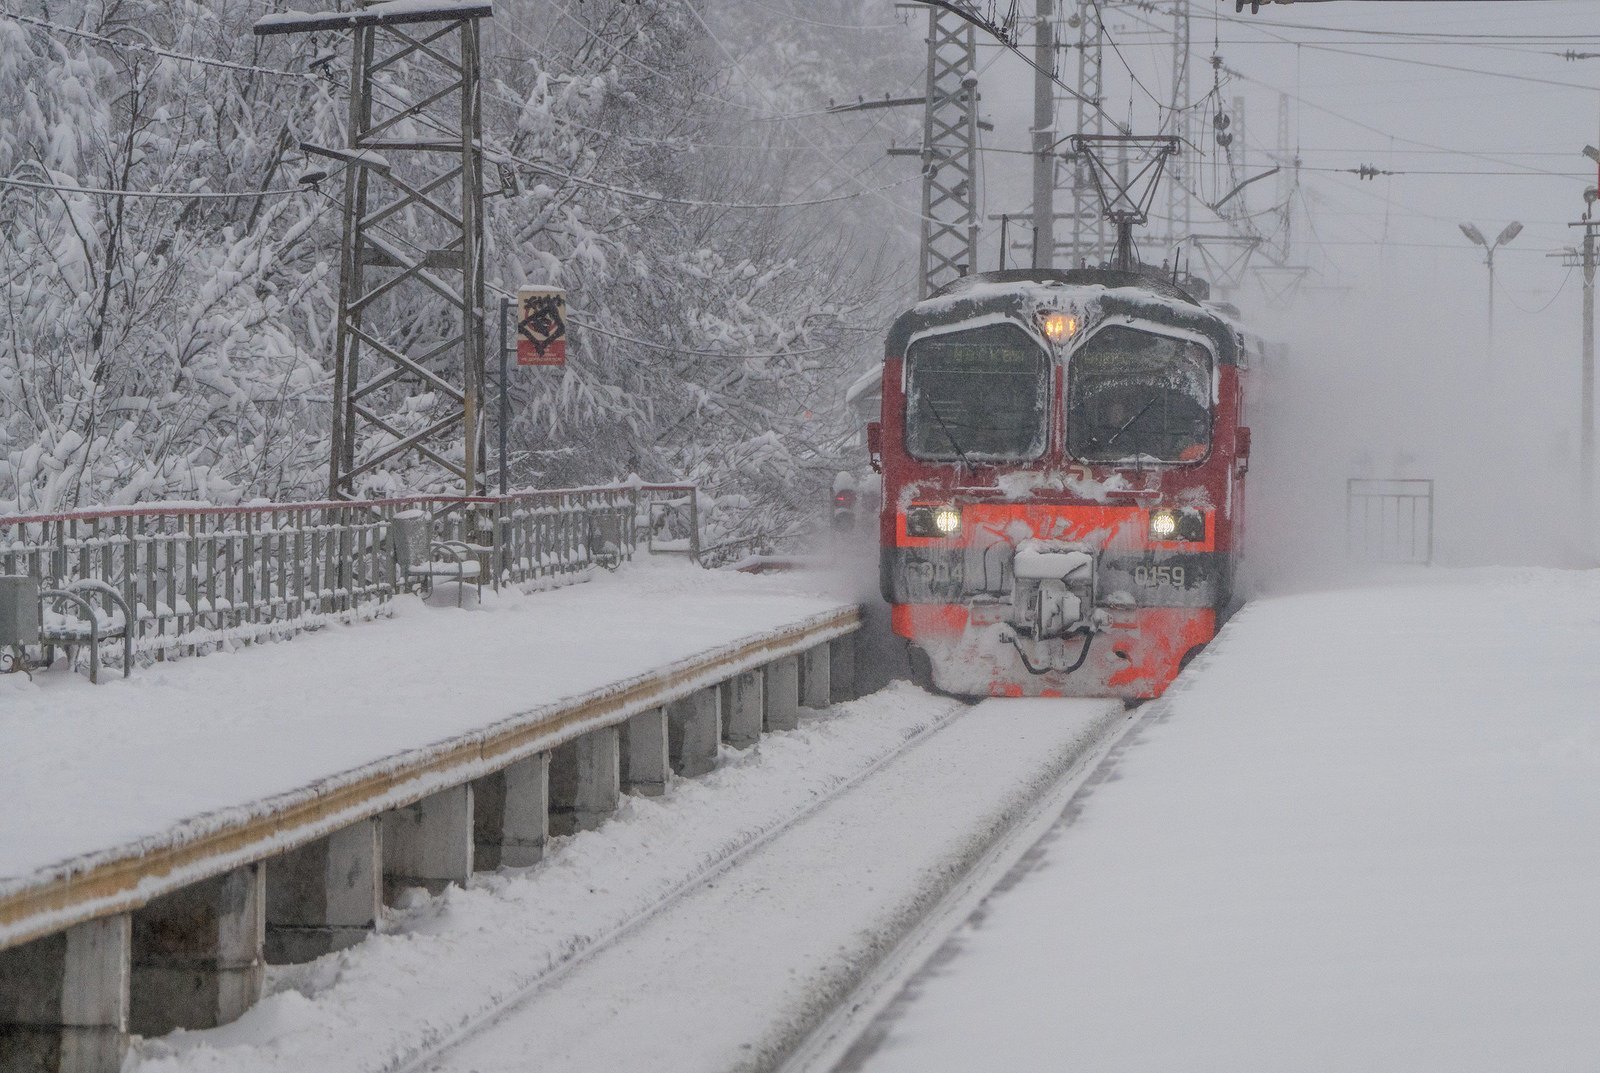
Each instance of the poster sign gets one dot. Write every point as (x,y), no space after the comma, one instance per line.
(541,326)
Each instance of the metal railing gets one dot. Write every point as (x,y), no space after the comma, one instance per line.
(196,576)
(1389,521)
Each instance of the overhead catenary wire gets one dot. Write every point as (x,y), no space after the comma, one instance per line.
(505,292)
(1428,34)
(737,66)
(504,155)
(668,199)
(153,50)
(176,195)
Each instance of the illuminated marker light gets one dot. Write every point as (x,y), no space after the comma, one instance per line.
(933,522)
(1179,525)
(1058,326)
(1163,525)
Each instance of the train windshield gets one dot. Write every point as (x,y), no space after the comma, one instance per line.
(978,394)
(1136,396)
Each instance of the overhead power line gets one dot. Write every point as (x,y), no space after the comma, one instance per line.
(152,50)
(177,195)
(668,199)
(1425,34)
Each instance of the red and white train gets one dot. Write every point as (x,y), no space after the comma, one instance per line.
(1063,459)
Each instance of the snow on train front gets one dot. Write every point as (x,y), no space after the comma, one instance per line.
(1063,458)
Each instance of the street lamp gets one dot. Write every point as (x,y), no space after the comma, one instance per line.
(1512,230)
(1586,394)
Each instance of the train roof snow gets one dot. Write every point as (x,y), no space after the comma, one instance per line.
(1095,294)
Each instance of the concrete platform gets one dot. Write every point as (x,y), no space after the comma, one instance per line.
(132,789)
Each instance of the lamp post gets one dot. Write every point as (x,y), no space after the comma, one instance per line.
(1511,231)
(1586,394)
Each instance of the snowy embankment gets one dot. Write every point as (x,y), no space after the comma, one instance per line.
(92,768)
(1362,835)
(706,930)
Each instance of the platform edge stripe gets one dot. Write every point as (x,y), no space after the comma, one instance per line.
(128,876)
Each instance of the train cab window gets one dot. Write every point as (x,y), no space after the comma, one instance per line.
(978,394)
(1137,396)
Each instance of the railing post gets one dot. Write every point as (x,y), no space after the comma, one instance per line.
(502,534)
(694,523)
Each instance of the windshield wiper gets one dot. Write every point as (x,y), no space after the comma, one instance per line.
(951,436)
(1126,425)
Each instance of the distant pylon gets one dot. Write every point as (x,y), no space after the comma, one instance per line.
(1089,236)
(949,154)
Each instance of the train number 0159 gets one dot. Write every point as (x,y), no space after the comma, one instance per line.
(1153,576)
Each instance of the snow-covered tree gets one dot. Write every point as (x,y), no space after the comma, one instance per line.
(726,250)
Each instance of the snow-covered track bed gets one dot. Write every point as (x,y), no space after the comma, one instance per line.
(713,929)
(738,972)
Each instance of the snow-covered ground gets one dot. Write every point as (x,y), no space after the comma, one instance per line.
(90,768)
(705,930)
(1362,835)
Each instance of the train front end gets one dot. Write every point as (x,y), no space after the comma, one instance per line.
(1063,459)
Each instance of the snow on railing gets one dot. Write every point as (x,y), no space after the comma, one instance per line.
(199,576)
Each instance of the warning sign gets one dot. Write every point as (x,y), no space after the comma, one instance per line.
(541,326)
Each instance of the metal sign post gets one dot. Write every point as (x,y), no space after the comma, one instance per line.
(541,330)
(505,389)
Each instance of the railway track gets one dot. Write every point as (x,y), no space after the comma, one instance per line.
(780,954)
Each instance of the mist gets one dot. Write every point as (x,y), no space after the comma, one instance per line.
(1397,380)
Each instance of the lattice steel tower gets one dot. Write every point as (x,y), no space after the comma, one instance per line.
(1089,238)
(409,361)
(1181,173)
(949,153)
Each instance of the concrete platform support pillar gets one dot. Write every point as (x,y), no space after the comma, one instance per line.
(511,814)
(780,694)
(64,1000)
(197,953)
(585,781)
(816,681)
(694,731)
(324,896)
(842,668)
(646,768)
(429,843)
(742,709)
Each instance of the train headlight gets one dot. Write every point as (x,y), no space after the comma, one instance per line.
(1181,524)
(933,521)
(1057,326)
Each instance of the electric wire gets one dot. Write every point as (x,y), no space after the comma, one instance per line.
(505,292)
(134,46)
(175,195)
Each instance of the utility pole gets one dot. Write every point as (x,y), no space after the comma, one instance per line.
(1585,259)
(412,243)
(1287,179)
(1586,435)
(1044,136)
